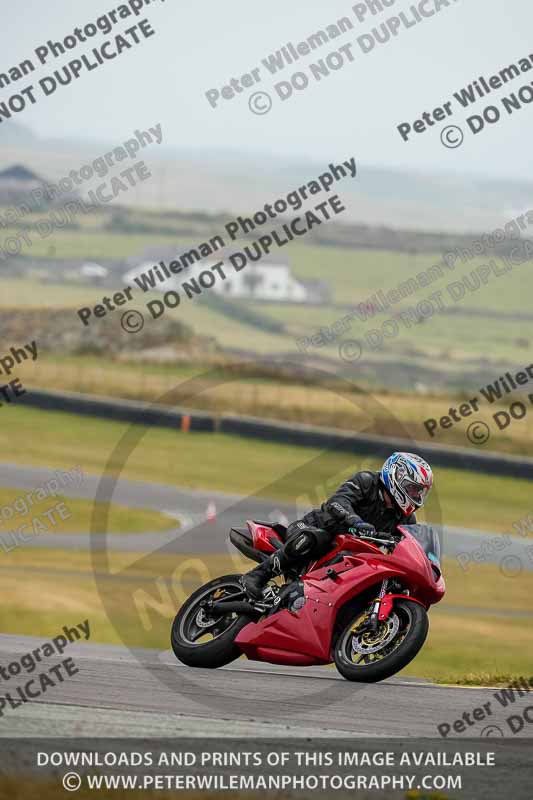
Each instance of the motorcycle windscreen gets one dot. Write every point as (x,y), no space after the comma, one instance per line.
(429,537)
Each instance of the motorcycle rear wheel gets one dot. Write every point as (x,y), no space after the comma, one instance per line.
(218,632)
(402,636)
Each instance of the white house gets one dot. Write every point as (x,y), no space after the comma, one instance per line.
(269,280)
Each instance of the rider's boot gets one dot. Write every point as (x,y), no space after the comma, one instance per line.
(255,581)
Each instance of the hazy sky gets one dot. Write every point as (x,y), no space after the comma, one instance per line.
(200,46)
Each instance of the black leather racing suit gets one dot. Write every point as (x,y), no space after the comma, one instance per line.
(312,536)
(362,495)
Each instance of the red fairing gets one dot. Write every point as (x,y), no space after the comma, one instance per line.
(263,536)
(304,637)
(299,638)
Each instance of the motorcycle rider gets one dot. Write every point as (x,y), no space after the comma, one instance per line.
(367,502)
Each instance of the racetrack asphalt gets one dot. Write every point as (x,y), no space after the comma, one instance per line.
(195,534)
(118,692)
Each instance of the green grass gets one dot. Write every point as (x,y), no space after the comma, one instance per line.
(474,650)
(460,336)
(59,514)
(478,649)
(26,293)
(243,466)
(357,274)
(87,244)
(256,390)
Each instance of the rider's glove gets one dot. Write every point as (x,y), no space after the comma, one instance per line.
(352,520)
(360,528)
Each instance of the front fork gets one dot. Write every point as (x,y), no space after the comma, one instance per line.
(384,603)
(375,614)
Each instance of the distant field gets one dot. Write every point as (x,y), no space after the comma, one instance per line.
(458,337)
(447,339)
(353,276)
(205,321)
(449,344)
(87,243)
(444,349)
(361,273)
(38,294)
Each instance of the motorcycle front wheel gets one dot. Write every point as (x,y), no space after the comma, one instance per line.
(203,639)
(370,656)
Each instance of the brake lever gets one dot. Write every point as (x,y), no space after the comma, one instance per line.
(378,539)
(390,540)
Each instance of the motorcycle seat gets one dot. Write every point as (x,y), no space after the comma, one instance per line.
(280,529)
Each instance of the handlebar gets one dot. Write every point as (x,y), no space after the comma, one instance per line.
(382,538)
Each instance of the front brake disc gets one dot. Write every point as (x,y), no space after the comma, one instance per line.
(369,642)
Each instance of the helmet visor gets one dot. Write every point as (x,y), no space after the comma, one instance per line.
(415,492)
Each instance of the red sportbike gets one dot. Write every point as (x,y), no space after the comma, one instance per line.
(363,606)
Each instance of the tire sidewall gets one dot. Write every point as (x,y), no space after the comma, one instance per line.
(214,653)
